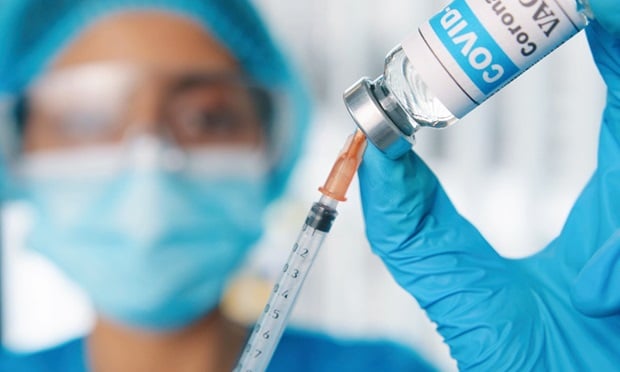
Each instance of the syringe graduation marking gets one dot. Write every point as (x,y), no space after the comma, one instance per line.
(319,220)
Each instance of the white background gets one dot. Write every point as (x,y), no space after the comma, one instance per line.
(513,167)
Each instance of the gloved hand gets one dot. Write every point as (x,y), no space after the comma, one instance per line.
(597,288)
(498,314)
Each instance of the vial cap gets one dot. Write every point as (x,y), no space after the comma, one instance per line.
(372,119)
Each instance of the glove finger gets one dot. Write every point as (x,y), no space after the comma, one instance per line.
(595,214)
(411,223)
(606,53)
(607,13)
(396,196)
(596,291)
(402,199)
(443,261)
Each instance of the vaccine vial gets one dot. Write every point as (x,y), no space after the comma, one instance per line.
(455,61)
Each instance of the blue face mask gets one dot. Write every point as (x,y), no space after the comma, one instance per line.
(153,248)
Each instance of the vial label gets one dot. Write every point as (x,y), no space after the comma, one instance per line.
(471,48)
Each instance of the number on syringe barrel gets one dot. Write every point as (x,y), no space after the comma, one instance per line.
(277,287)
(294,272)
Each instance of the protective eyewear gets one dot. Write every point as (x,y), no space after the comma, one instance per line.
(104,103)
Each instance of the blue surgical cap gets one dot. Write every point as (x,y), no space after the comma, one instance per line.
(32,32)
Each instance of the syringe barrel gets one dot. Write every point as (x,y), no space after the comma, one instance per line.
(272,322)
(321,217)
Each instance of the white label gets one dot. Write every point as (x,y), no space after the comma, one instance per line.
(472,48)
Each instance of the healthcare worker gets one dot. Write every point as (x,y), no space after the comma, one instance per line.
(558,310)
(152,136)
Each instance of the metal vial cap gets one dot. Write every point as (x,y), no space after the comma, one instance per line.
(373,120)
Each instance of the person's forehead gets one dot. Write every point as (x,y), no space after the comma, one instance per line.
(155,39)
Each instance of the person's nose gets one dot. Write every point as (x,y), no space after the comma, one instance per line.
(145,109)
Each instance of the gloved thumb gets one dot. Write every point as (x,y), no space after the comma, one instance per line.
(596,291)
(412,225)
(441,259)
(408,214)
(396,196)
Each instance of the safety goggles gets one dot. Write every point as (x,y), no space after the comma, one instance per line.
(104,103)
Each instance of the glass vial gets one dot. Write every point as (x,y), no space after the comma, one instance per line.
(455,61)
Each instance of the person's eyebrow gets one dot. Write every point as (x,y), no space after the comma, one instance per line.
(196,79)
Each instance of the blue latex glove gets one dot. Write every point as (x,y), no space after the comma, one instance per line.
(597,289)
(498,314)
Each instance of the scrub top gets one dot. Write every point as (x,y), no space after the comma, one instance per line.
(298,351)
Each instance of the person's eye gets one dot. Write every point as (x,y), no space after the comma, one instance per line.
(220,122)
(209,116)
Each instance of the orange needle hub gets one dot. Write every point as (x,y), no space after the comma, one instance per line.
(344,168)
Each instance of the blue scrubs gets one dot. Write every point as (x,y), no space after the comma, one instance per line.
(298,351)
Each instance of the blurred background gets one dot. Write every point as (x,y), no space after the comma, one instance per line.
(513,167)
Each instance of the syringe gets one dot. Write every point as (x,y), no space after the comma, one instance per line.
(272,322)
